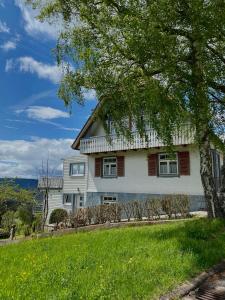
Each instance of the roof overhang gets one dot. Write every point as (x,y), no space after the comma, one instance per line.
(87,125)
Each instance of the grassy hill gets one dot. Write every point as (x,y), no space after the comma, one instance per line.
(126,263)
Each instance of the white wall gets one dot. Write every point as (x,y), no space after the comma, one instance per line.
(74,184)
(136,179)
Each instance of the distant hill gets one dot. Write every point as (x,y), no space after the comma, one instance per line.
(24,183)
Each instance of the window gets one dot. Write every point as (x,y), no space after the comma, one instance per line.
(77,169)
(81,201)
(111,127)
(168,164)
(67,198)
(109,167)
(109,200)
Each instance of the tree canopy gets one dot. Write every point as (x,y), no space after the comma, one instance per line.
(161,59)
(144,56)
(12,196)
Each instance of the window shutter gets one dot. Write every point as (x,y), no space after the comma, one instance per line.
(184,163)
(120,166)
(153,165)
(98,167)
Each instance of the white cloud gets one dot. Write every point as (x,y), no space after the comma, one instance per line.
(43,113)
(3,27)
(30,65)
(9,65)
(2,3)
(24,158)
(60,126)
(33,26)
(9,45)
(89,95)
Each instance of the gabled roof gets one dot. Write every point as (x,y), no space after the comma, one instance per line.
(85,128)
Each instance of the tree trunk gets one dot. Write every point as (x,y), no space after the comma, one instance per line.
(214,204)
(222,188)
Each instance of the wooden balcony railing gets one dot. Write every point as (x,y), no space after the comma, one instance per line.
(97,144)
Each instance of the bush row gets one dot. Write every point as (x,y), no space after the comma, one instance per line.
(172,206)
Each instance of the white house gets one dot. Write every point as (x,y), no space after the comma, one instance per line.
(69,191)
(121,170)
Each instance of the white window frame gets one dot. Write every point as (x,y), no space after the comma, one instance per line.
(110,164)
(78,174)
(80,200)
(66,197)
(107,200)
(168,161)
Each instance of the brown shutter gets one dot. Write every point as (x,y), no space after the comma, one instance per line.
(184,163)
(98,167)
(153,164)
(120,166)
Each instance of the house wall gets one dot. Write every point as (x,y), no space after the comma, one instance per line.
(55,200)
(136,184)
(75,184)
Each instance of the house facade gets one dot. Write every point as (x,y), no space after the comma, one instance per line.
(121,170)
(69,191)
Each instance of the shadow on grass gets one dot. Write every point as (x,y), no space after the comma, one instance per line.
(203,239)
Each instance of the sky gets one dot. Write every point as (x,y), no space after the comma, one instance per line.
(34,123)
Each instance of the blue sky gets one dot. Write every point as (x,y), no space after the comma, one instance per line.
(34,123)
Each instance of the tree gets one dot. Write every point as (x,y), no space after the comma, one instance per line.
(8,219)
(44,185)
(163,60)
(25,214)
(58,215)
(12,196)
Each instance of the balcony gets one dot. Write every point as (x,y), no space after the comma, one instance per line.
(98,144)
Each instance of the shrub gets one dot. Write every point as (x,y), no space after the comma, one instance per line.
(37,222)
(58,215)
(25,214)
(183,204)
(168,203)
(154,207)
(26,230)
(137,209)
(115,211)
(79,217)
(8,219)
(4,234)
(128,210)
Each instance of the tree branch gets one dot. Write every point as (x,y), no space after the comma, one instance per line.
(220,101)
(219,55)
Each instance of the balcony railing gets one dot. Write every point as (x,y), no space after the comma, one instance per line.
(97,144)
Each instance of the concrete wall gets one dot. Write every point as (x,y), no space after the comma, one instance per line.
(137,181)
(197,202)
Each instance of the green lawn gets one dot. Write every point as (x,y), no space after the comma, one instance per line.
(127,263)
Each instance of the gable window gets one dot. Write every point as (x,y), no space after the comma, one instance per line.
(67,199)
(77,169)
(168,164)
(109,167)
(109,200)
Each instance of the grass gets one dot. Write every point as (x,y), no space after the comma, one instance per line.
(127,263)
